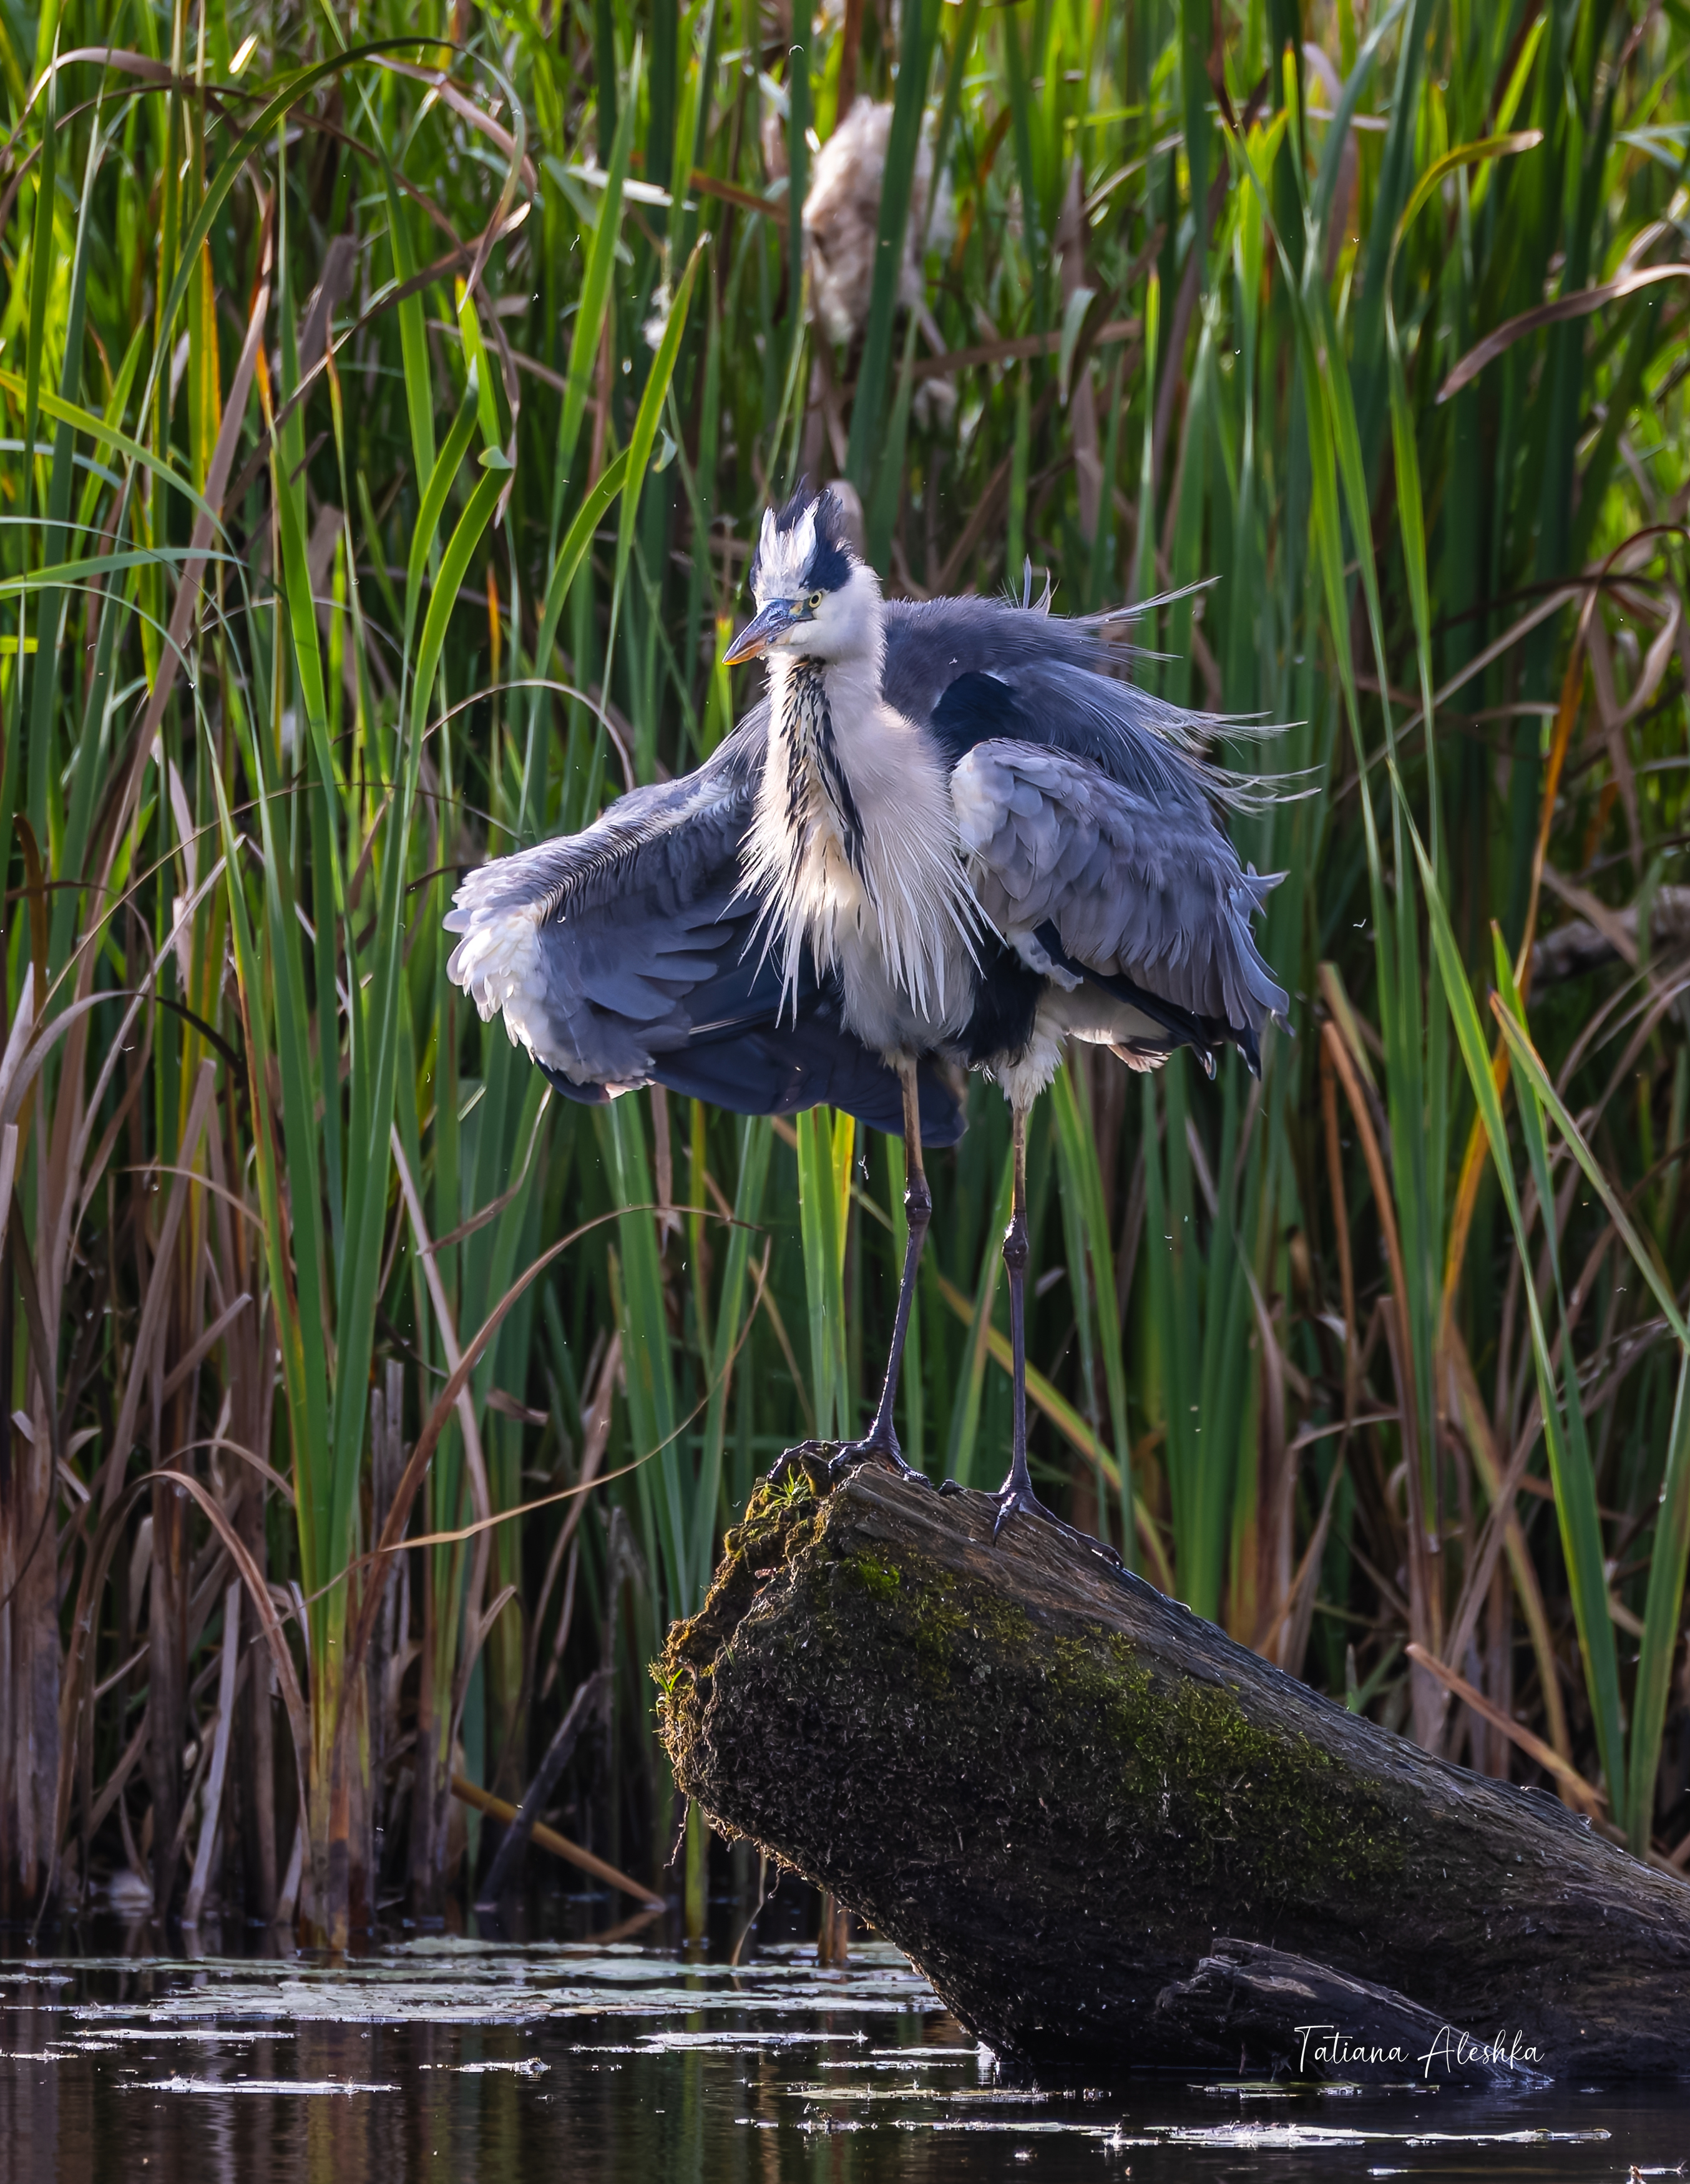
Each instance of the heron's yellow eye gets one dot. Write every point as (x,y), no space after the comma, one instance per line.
(815,601)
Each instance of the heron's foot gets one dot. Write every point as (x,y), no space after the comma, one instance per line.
(875,1447)
(1014,1499)
(1019,1496)
(800,1460)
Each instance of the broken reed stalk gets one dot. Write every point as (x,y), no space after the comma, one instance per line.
(483,1801)
(507,1861)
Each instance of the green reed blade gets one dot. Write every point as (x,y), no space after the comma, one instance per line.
(1077,1143)
(756,1140)
(1574,1480)
(110,435)
(272,980)
(1657,1649)
(49,620)
(889,479)
(641,441)
(798,120)
(1526,1058)
(425,542)
(1575,1491)
(588,325)
(646,1362)
(822,1235)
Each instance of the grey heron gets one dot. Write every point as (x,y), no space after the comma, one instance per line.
(951,833)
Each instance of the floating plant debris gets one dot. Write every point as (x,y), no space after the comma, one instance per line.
(1300,2137)
(179,2085)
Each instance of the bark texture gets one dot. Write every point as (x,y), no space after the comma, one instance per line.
(1109,1835)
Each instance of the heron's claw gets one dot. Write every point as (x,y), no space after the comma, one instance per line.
(874,1445)
(1010,1497)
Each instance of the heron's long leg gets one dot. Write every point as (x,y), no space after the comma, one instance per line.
(882,1437)
(1016,1490)
(918,1215)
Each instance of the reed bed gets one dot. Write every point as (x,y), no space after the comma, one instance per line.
(392,397)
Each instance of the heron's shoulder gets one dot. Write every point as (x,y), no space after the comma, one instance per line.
(973,671)
(931,642)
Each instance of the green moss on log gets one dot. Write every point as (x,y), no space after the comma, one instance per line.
(905,1671)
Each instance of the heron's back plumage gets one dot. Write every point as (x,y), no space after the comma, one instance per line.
(977,668)
(1089,818)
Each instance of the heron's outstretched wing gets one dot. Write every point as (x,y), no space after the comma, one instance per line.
(622,955)
(1090,879)
(594,945)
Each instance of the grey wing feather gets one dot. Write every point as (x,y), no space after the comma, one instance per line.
(1135,890)
(623,956)
(957,664)
(591,944)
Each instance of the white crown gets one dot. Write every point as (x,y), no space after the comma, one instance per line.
(784,556)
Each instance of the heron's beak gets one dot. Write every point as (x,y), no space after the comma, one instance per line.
(759,631)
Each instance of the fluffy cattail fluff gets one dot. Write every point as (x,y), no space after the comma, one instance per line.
(842,213)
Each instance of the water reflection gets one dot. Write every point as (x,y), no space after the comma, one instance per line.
(444,2057)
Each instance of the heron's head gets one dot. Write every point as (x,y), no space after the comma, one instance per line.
(816,598)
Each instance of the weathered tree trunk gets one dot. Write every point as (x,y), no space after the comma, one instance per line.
(1110,1836)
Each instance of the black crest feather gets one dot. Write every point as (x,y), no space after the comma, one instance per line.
(786,516)
(830,564)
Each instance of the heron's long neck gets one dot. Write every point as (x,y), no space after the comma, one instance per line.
(817,786)
(856,834)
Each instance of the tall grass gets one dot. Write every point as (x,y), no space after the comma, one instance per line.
(392,396)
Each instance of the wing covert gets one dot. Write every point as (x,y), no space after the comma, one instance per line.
(1134,890)
(591,945)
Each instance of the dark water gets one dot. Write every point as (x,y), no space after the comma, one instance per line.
(452,2058)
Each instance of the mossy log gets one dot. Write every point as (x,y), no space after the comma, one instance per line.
(1110,1837)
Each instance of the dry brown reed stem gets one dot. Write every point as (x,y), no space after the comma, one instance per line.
(1585,1793)
(498,1808)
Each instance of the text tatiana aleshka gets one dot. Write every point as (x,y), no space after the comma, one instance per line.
(1450,2049)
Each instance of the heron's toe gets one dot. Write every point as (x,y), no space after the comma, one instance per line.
(1009,1498)
(874,1448)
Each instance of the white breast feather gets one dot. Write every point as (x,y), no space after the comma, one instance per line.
(909,899)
